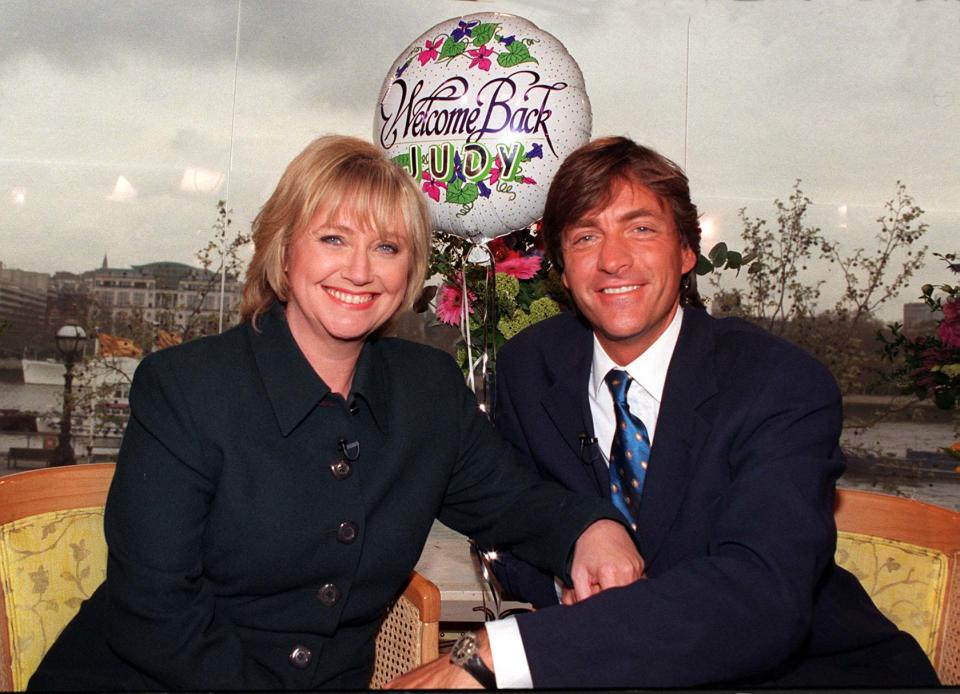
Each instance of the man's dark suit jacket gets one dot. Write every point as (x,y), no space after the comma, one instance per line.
(736,524)
(239,528)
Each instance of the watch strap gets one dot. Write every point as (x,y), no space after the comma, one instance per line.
(465,655)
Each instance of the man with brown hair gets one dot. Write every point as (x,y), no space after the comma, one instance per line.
(717,441)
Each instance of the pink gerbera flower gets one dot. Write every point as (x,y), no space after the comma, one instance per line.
(449,303)
(523,267)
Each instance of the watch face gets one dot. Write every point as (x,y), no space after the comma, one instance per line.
(463,649)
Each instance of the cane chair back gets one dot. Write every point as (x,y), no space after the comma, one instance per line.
(410,634)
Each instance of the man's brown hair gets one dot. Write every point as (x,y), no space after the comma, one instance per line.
(585,181)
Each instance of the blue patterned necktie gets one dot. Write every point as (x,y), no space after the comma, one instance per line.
(630,450)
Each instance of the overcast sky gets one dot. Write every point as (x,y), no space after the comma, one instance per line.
(105,105)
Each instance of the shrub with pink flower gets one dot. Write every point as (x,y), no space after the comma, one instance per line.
(929,365)
(949,329)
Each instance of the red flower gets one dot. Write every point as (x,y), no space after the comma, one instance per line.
(538,236)
(499,250)
(513,262)
(951,310)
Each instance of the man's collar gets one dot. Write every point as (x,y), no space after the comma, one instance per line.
(649,369)
(293,387)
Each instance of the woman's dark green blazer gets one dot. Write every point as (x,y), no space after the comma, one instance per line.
(258,525)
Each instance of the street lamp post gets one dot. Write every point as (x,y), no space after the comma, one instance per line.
(70,339)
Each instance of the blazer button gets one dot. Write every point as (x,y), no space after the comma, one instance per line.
(347,532)
(328,594)
(300,657)
(341,469)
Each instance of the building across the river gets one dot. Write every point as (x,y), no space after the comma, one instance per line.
(171,296)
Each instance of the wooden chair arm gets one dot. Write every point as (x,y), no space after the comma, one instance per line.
(425,596)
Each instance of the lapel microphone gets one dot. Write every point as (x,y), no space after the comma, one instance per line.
(585,442)
(350,451)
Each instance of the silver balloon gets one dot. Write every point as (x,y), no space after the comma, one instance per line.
(481,110)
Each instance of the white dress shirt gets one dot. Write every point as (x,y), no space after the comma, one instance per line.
(649,373)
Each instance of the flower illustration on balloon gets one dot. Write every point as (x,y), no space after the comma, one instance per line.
(463,29)
(495,171)
(481,58)
(432,188)
(430,51)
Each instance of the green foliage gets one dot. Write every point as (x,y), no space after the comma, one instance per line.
(451,49)
(482,33)
(543,308)
(721,258)
(928,365)
(507,288)
(781,297)
(462,193)
(221,256)
(510,326)
(501,303)
(517,53)
(867,275)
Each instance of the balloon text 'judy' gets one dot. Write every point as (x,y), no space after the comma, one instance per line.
(477,161)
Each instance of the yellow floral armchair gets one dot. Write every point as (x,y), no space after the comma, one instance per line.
(53,556)
(905,553)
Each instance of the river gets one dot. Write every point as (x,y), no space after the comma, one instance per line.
(888,438)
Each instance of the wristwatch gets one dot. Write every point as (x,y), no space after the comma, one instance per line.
(466,654)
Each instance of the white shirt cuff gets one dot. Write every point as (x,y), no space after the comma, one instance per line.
(509,657)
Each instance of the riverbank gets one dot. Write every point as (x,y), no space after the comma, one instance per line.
(945,493)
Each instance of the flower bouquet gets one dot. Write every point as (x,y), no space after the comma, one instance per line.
(493,291)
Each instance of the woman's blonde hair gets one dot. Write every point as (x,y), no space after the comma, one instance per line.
(339,175)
